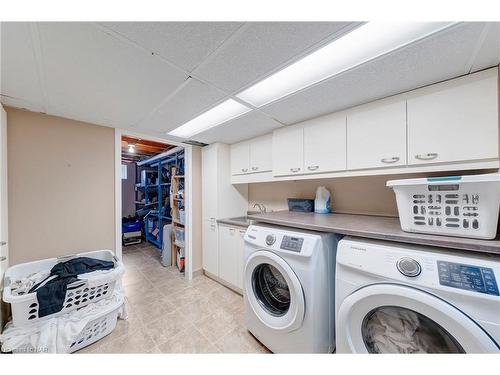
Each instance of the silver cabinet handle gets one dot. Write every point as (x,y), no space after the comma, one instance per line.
(294,170)
(429,156)
(2,258)
(244,169)
(390,160)
(3,243)
(255,168)
(313,167)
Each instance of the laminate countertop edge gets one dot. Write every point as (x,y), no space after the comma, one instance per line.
(373,227)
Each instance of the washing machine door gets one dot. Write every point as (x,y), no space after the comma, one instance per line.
(392,318)
(273,291)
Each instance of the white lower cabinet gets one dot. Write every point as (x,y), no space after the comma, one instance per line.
(240,257)
(231,246)
(210,246)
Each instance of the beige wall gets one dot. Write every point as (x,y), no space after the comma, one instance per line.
(357,195)
(61,186)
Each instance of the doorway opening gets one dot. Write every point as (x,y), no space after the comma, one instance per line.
(153,215)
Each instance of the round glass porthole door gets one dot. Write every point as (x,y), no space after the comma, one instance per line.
(393,318)
(395,329)
(273,291)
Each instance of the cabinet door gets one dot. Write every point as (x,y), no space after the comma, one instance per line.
(210,247)
(376,135)
(209,182)
(455,121)
(261,154)
(325,144)
(227,254)
(240,158)
(288,151)
(240,258)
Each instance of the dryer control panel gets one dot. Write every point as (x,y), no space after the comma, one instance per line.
(463,276)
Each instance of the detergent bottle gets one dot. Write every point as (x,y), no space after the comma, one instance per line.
(322,201)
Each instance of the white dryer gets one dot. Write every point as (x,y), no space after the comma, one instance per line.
(289,289)
(396,298)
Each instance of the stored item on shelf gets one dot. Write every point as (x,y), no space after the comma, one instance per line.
(180,259)
(179,235)
(462,206)
(300,205)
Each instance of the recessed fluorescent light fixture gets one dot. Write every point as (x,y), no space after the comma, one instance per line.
(228,110)
(364,43)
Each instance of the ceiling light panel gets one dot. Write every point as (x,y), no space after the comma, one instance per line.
(365,43)
(228,110)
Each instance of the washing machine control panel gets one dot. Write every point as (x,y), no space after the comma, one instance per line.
(292,243)
(463,276)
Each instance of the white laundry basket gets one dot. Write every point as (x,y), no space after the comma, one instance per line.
(98,328)
(78,294)
(462,206)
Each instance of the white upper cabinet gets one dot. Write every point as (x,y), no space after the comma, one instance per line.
(455,120)
(288,151)
(376,135)
(261,154)
(325,144)
(253,156)
(240,158)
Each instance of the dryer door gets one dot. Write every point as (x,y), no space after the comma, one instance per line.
(392,318)
(274,292)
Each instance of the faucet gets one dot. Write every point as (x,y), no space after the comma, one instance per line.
(261,207)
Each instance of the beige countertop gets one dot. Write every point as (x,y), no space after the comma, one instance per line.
(376,227)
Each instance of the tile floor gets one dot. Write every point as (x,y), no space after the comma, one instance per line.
(170,315)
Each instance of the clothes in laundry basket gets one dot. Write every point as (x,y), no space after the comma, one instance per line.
(51,292)
(23,286)
(57,334)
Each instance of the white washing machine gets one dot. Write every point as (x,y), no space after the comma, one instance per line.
(289,289)
(396,298)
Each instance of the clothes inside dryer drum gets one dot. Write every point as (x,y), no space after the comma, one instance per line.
(271,289)
(392,329)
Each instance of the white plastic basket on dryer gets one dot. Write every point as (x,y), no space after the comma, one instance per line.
(462,206)
(78,294)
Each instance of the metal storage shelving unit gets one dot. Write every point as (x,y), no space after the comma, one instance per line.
(155,189)
(178,219)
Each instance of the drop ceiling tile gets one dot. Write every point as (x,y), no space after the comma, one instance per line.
(247,126)
(191,100)
(185,44)
(19,75)
(88,71)
(437,58)
(261,48)
(489,52)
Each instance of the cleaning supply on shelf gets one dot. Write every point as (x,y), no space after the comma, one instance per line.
(322,201)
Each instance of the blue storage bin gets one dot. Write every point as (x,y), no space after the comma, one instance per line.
(133,226)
